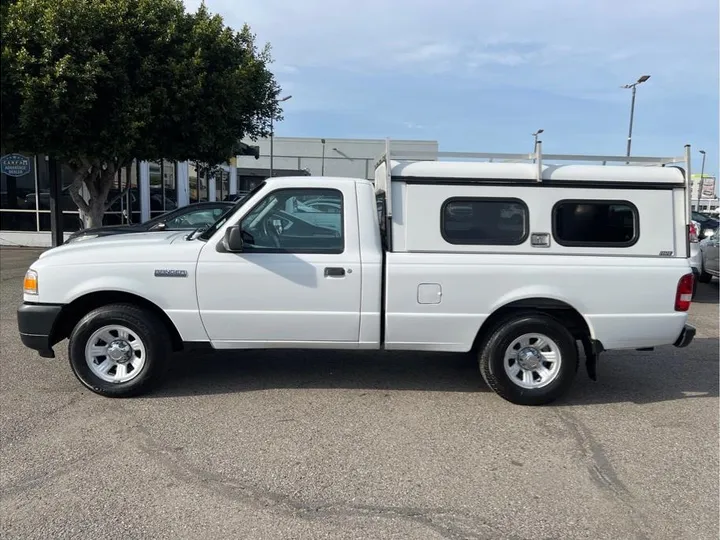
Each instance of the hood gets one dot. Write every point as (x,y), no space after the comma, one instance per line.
(108,230)
(124,248)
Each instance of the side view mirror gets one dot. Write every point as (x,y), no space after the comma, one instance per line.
(160,226)
(233,240)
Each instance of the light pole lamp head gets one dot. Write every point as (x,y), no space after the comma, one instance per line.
(538,132)
(702,152)
(639,81)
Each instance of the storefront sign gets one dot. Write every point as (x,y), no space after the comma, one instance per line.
(15,165)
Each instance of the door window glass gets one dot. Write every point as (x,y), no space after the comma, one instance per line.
(296,220)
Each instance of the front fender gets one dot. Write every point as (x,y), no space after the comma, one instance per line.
(117,284)
(173,293)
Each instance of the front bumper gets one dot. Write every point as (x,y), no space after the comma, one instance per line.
(686,336)
(35,323)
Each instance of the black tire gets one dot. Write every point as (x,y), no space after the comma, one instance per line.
(148,327)
(492,356)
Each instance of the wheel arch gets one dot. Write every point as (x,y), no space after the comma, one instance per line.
(74,311)
(558,309)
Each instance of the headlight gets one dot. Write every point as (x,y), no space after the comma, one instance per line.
(30,284)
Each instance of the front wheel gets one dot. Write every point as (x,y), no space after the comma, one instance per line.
(119,350)
(529,360)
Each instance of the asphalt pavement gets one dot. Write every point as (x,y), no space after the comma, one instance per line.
(349,445)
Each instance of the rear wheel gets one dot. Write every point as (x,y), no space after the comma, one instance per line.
(530,359)
(119,350)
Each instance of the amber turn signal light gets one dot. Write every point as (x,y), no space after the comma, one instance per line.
(30,283)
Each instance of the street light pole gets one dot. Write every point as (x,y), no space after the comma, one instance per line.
(632,115)
(272,148)
(322,167)
(632,108)
(538,132)
(272,137)
(702,174)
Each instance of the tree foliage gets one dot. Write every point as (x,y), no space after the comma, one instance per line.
(97,83)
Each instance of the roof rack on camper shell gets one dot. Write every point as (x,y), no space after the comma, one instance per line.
(536,158)
(523,168)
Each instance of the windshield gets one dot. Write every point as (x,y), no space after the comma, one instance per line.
(162,217)
(220,222)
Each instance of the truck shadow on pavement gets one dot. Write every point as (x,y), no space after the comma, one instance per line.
(665,374)
(707,293)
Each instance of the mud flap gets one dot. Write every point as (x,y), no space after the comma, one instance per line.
(592,351)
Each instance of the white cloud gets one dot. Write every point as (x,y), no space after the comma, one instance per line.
(563,46)
(430,52)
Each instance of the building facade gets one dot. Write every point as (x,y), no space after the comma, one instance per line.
(159,186)
(703,193)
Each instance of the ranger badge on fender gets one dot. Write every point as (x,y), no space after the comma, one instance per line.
(171,273)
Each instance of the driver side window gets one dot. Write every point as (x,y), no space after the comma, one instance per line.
(308,220)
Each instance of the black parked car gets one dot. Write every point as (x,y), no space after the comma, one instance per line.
(235,198)
(708,224)
(186,218)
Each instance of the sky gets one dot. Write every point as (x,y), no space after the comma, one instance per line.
(483,76)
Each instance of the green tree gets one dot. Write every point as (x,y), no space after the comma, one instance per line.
(98,83)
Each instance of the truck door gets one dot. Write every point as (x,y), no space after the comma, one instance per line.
(296,282)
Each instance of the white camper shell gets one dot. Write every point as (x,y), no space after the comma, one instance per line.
(653,187)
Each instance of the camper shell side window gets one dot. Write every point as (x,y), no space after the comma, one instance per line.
(595,223)
(484,221)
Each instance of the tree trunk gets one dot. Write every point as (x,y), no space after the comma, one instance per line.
(94,215)
(98,178)
(80,175)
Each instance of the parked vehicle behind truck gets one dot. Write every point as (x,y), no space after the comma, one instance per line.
(188,217)
(709,260)
(522,264)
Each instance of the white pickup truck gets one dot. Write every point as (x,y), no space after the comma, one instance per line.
(524,264)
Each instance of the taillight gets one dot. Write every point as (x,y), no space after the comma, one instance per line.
(683,296)
(693,233)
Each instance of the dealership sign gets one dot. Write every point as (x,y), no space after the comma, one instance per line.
(708,187)
(15,165)
(704,186)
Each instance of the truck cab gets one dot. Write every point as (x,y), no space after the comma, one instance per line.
(280,276)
